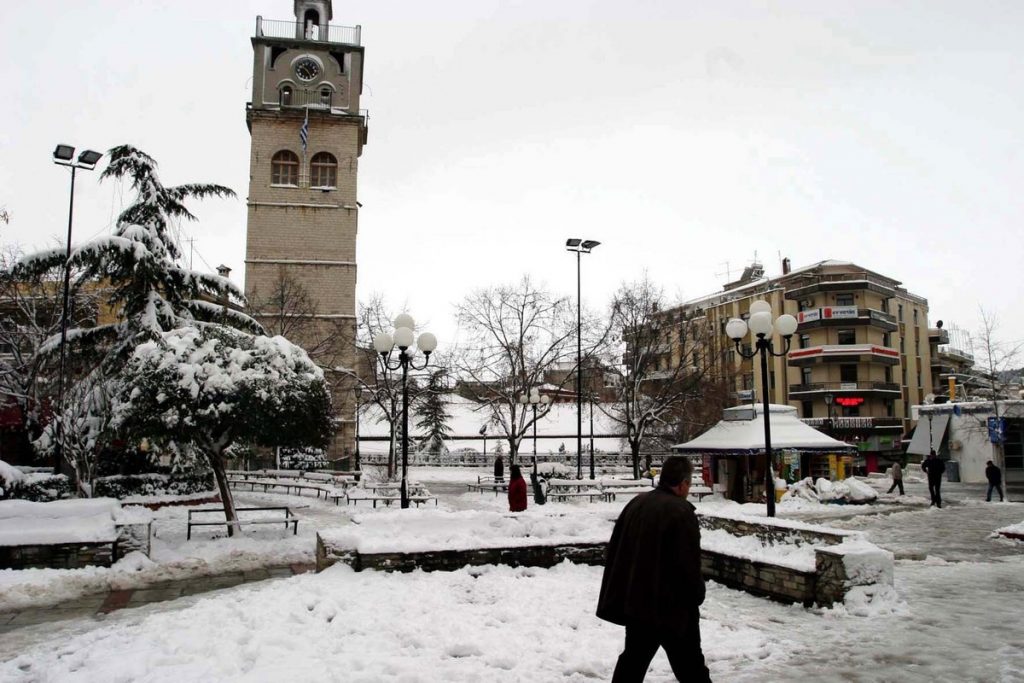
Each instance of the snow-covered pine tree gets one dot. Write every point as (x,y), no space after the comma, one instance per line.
(209,386)
(432,414)
(143,281)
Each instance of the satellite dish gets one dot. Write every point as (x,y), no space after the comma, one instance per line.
(929,399)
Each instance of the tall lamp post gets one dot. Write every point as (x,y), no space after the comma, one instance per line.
(580,247)
(359,397)
(533,399)
(384,344)
(761,326)
(64,155)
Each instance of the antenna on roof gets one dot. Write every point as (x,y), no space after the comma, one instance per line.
(727,273)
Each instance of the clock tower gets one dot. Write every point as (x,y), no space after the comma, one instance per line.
(307,135)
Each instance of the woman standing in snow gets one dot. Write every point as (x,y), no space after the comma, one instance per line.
(516,490)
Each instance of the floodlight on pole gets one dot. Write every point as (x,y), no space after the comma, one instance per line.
(63,155)
(581,247)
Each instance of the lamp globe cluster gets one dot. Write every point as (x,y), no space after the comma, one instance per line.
(761,323)
(403,337)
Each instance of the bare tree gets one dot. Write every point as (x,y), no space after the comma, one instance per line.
(665,366)
(997,369)
(515,333)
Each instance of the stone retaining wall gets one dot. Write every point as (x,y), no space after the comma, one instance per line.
(133,537)
(826,585)
(58,556)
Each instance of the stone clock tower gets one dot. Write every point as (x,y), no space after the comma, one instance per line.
(307,135)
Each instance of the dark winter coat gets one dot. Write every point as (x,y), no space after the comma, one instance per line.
(994,475)
(517,495)
(652,566)
(499,468)
(934,467)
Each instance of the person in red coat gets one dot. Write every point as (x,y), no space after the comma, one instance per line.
(516,490)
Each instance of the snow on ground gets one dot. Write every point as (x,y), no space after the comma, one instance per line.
(524,624)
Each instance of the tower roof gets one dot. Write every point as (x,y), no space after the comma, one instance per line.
(319,5)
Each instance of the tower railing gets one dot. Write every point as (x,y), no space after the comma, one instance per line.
(293,30)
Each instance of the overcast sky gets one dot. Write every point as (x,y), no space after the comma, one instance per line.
(688,137)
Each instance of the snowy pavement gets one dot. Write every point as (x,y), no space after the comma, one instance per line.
(953,614)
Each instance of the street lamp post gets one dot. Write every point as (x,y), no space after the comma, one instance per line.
(384,344)
(761,326)
(63,155)
(580,247)
(359,397)
(829,398)
(533,399)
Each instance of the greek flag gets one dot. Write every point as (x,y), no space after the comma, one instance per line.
(304,132)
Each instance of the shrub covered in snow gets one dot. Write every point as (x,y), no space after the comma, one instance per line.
(10,479)
(42,488)
(152,484)
(305,459)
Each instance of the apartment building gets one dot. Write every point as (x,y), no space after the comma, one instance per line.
(860,358)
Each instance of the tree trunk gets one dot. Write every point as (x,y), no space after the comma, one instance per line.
(217,463)
(512,451)
(634,449)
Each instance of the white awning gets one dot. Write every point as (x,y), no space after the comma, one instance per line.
(928,433)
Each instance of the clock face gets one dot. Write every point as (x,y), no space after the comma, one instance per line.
(306,69)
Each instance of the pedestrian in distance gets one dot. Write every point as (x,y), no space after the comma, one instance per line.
(499,469)
(897,477)
(995,481)
(935,469)
(652,581)
(516,490)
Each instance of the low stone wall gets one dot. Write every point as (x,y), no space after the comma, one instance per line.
(58,556)
(133,537)
(770,533)
(826,585)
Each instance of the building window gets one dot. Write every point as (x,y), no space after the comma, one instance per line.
(325,96)
(888,374)
(886,339)
(847,337)
(915,316)
(805,376)
(844,299)
(805,341)
(890,408)
(285,96)
(323,170)
(899,312)
(284,169)
(748,382)
(807,408)
(848,373)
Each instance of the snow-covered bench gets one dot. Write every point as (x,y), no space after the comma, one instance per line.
(70,533)
(286,517)
(288,485)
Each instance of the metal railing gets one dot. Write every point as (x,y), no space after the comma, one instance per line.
(345,35)
(843,386)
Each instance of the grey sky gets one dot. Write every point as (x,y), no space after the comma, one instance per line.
(683,135)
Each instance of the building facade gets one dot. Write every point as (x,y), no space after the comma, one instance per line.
(307,136)
(860,358)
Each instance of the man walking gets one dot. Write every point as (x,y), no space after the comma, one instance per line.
(995,481)
(652,581)
(897,477)
(935,468)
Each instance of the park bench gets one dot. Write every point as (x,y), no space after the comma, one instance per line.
(389,498)
(489,484)
(287,517)
(287,485)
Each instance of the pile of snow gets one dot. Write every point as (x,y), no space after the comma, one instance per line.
(10,478)
(63,521)
(1013,531)
(422,530)
(850,490)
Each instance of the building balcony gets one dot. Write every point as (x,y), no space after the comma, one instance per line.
(956,355)
(937,335)
(841,282)
(842,316)
(293,30)
(844,353)
(811,391)
(837,425)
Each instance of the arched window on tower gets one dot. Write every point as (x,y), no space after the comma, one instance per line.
(325,96)
(286,96)
(323,170)
(284,169)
